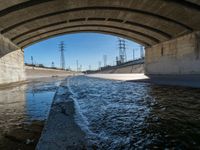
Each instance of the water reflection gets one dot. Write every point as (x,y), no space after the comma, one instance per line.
(38,100)
(12,103)
(38,105)
(22,107)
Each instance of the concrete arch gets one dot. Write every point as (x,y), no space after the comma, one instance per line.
(168,28)
(121,9)
(123,23)
(145,20)
(111,22)
(151,38)
(77,29)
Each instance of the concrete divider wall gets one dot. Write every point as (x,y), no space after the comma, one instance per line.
(12,67)
(179,56)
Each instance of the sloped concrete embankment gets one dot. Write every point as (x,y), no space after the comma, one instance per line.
(61,131)
(38,72)
(137,68)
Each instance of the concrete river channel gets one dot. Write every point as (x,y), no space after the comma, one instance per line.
(113,114)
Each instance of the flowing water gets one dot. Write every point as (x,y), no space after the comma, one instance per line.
(114,114)
(127,115)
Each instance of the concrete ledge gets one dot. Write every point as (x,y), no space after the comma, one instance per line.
(174,80)
(60,131)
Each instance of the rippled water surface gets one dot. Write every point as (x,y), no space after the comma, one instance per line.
(25,103)
(128,115)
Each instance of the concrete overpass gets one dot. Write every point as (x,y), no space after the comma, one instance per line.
(169,29)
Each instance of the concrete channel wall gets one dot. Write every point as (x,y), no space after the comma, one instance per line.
(139,68)
(12,67)
(11,62)
(38,72)
(179,56)
(132,67)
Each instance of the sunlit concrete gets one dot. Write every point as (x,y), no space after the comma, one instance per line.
(12,67)
(172,80)
(122,77)
(124,69)
(180,56)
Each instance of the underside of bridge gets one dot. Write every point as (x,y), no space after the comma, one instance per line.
(148,22)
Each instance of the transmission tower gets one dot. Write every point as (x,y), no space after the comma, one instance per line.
(99,63)
(62,57)
(89,67)
(122,50)
(133,54)
(141,51)
(105,60)
(32,60)
(80,68)
(77,66)
(52,65)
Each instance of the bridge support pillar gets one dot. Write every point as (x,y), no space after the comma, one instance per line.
(180,56)
(11,62)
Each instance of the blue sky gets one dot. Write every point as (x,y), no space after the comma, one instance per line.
(87,48)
